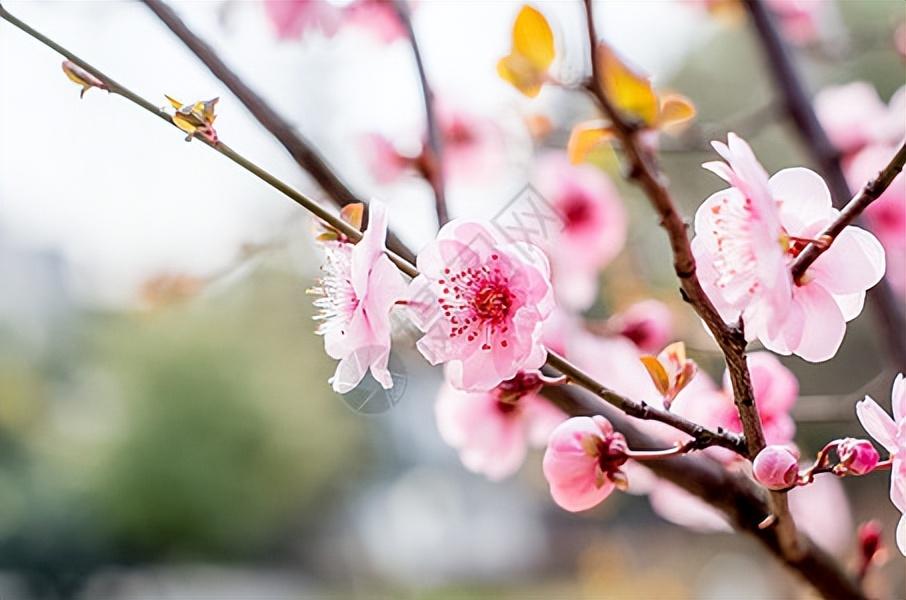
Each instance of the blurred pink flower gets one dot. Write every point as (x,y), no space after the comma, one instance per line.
(853,116)
(594,225)
(776,467)
(377,17)
(891,433)
(293,18)
(384,162)
(776,390)
(358,290)
(857,457)
(800,20)
(886,216)
(492,430)
(749,234)
(473,147)
(648,324)
(582,462)
(481,304)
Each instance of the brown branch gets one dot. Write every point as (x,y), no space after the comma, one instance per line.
(888,310)
(745,503)
(731,340)
(433,154)
(870,192)
(295,144)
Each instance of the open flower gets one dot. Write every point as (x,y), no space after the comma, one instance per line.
(582,462)
(481,304)
(891,433)
(648,324)
(748,235)
(853,116)
(594,226)
(492,430)
(358,289)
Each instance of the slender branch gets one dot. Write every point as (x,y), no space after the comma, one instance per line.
(295,144)
(870,192)
(888,309)
(704,437)
(433,153)
(731,340)
(745,503)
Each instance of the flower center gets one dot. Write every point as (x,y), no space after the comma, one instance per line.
(338,300)
(477,302)
(611,453)
(458,134)
(576,211)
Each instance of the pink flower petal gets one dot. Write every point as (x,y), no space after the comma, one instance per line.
(854,263)
(824,326)
(898,398)
(877,423)
(802,194)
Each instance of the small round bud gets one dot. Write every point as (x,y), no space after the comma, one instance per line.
(777,467)
(857,457)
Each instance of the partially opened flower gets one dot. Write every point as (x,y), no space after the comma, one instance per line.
(857,457)
(582,462)
(473,146)
(481,303)
(748,235)
(593,229)
(891,434)
(776,467)
(670,370)
(377,17)
(492,430)
(633,95)
(294,18)
(384,161)
(358,289)
(532,52)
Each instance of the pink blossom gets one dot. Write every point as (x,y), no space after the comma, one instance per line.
(384,161)
(776,467)
(594,225)
(886,216)
(293,18)
(648,324)
(481,304)
(857,457)
(891,434)
(473,146)
(775,389)
(800,20)
(358,289)
(492,430)
(582,462)
(854,117)
(377,17)
(748,235)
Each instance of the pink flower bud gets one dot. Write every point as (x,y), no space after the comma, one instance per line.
(777,467)
(857,457)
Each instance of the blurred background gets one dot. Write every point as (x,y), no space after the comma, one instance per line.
(166,426)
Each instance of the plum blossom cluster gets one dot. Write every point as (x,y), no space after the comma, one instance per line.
(490,308)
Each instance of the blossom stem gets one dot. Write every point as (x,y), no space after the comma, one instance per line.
(646,455)
(434,171)
(887,308)
(870,192)
(301,149)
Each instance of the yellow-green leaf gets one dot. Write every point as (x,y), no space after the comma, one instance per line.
(630,92)
(353,214)
(657,372)
(533,38)
(676,110)
(585,137)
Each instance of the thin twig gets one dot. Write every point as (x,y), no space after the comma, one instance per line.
(433,154)
(703,436)
(289,137)
(868,194)
(887,308)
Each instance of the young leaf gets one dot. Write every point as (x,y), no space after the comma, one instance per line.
(630,93)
